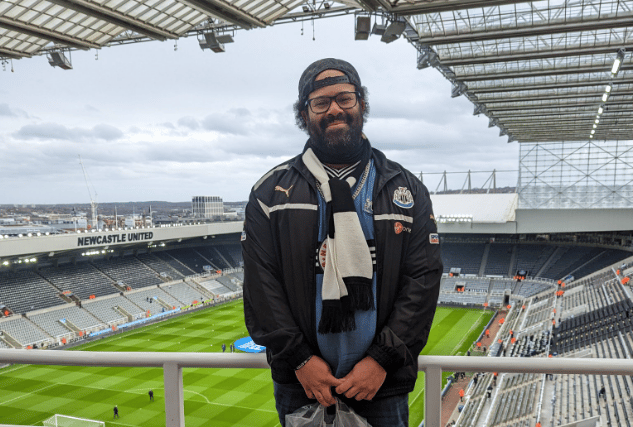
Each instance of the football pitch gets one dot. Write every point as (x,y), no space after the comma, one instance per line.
(219,397)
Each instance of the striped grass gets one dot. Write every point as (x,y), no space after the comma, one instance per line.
(220,397)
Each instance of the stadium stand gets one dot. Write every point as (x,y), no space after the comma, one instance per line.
(185,293)
(130,271)
(159,266)
(531,258)
(230,283)
(466,256)
(499,258)
(24,290)
(191,258)
(82,279)
(167,258)
(113,310)
(153,301)
(22,331)
(214,287)
(64,321)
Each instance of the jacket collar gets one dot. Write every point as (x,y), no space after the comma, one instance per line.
(385,169)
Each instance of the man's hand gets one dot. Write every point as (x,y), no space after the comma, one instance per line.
(364,380)
(317,381)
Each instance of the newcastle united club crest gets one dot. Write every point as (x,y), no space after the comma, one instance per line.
(402,197)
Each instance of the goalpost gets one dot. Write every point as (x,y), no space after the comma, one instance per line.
(68,421)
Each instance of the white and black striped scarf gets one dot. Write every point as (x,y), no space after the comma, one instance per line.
(347,277)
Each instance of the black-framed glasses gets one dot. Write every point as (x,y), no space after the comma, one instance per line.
(345,100)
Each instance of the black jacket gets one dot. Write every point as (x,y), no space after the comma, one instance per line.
(280,244)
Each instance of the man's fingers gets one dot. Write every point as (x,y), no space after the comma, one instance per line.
(333,381)
(327,396)
(343,387)
(351,392)
(320,399)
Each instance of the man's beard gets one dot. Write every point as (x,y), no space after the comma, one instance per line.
(340,144)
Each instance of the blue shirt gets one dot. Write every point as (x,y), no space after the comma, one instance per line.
(343,350)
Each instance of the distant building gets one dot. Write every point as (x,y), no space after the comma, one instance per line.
(207,207)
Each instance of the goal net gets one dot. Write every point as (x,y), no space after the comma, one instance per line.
(67,421)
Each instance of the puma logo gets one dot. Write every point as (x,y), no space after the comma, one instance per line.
(283,190)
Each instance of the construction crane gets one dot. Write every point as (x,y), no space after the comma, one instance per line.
(93,200)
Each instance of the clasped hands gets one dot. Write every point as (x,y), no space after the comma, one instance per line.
(362,383)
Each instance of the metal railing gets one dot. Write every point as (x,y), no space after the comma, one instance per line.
(173,363)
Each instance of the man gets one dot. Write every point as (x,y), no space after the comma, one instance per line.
(341,261)
(116,412)
(151,395)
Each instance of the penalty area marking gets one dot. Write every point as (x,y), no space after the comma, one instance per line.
(211,403)
(467,334)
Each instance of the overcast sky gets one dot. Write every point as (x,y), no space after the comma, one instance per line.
(154,123)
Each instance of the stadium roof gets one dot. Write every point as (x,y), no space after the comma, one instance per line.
(540,71)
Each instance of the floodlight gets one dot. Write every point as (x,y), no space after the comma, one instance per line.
(597,121)
(479,109)
(593,131)
(363,28)
(210,41)
(600,110)
(427,58)
(616,66)
(607,89)
(595,126)
(58,59)
(591,136)
(224,38)
(326,5)
(379,29)
(306,8)
(618,61)
(604,97)
(393,31)
(458,90)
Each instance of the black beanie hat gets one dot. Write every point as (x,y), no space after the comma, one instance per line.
(306,82)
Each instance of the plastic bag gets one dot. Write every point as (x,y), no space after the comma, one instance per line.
(316,415)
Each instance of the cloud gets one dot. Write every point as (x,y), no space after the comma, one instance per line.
(48,131)
(106,132)
(229,123)
(7,111)
(92,109)
(189,122)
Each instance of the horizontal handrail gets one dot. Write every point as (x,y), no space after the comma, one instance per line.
(172,364)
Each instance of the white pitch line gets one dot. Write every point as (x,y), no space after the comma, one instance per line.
(467,334)
(27,394)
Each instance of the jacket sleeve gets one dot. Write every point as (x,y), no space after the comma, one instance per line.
(407,329)
(266,308)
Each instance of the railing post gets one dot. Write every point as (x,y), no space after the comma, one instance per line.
(174,396)
(433,396)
